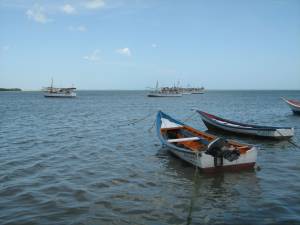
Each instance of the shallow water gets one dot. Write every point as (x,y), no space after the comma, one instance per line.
(76,161)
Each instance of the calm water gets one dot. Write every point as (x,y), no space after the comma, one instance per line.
(66,161)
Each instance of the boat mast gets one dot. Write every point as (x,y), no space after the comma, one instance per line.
(156,85)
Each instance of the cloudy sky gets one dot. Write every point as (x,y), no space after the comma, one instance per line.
(129,44)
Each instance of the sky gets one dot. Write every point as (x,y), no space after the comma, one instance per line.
(131,44)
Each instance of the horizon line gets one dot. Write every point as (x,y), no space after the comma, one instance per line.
(149,90)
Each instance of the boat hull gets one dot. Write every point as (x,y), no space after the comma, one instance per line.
(206,162)
(57,95)
(294,106)
(268,132)
(197,93)
(164,95)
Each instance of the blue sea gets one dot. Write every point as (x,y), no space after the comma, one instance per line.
(96,159)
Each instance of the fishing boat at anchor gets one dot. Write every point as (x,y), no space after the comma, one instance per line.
(217,123)
(59,92)
(206,151)
(165,92)
(293,104)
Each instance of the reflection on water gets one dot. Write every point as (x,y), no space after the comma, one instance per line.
(214,197)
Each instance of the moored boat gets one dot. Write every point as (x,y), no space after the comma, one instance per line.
(198,90)
(217,123)
(201,149)
(165,92)
(294,105)
(59,92)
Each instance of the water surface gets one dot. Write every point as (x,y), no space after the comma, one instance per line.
(76,161)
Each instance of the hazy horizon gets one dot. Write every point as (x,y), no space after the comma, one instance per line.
(129,45)
(147,89)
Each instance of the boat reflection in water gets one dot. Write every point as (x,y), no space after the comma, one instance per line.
(212,198)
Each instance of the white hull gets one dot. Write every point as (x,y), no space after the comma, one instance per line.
(163,95)
(278,133)
(199,155)
(60,95)
(205,161)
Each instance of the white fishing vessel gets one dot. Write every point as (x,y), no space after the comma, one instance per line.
(191,90)
(198,90)
(165,92)
(59,92)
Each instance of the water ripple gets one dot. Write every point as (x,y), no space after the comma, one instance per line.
(67,161)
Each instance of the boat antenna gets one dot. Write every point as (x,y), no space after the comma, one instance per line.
(51,82)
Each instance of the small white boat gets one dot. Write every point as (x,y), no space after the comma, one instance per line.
(294,105)
(59,92)
(201,149)
(217,123)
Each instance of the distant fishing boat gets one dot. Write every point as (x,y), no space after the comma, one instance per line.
(189,90)
(201,149)
(294,105)
(59,92)
(198,90)
(165,92)
(217,123)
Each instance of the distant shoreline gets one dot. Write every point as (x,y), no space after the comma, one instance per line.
(10,89)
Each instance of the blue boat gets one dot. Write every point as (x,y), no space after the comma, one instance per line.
(219,124)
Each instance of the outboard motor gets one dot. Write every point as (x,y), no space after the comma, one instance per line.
(218,150)
(215,149)
(231,155)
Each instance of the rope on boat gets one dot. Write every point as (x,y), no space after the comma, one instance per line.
(189,117)
(153,124)
(195,192)
(291,142)
(135,121)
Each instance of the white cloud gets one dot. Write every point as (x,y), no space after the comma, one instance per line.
(37,14)
(94,4)
(5,48)
(68,9)
(154,45)
(79,28)
(94,56)
(124,51)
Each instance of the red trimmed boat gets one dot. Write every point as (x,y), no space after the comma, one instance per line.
(294,105)
(217,123)
(206,151)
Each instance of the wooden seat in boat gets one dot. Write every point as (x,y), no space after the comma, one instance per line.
(184,139)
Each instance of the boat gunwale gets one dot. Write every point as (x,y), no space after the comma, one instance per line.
(242,126)
(291,102)
(200,133)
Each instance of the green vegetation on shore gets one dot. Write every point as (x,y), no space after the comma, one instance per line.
(10,89)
